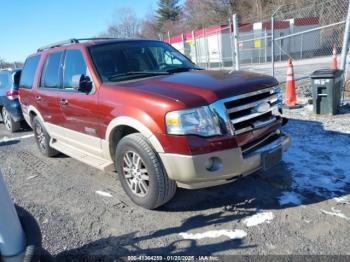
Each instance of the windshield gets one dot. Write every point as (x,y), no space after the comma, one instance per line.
(129,60)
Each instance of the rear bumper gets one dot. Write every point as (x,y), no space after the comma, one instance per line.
(14,108)
(217,168)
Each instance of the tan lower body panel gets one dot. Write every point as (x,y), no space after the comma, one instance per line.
(194,172)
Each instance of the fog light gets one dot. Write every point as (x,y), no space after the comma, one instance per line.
(213,164)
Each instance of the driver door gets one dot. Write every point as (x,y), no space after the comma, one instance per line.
(80,109)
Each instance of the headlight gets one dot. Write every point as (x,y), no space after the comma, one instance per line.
(198,121)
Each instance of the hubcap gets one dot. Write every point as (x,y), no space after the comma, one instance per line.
(135,173)
(40,136)
(7,119)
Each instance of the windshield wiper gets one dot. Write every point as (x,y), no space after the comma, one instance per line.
(149,73)
(182,69)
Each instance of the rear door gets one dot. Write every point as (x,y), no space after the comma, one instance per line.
(26,83)
(46,97)
(80,111)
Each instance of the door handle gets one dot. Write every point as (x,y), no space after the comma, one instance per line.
(38,98)
(64,102)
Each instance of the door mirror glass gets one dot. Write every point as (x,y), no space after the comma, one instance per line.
(81,83)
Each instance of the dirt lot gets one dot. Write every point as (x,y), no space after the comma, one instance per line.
(299,207)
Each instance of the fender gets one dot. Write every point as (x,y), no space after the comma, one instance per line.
(33,109)
(144,130)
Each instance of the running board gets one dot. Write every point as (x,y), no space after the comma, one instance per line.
(89,159)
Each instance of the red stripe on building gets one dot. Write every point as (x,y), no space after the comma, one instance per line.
(306,21)
(277,25)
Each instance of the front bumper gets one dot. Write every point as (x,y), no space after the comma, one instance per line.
(205,170)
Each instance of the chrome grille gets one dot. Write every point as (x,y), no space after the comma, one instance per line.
(252,110)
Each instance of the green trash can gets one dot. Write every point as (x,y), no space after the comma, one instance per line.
(326,90)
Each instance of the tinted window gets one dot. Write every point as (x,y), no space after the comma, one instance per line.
(126,60)
(28,72)
(4,80)
(74,65)
(51,73)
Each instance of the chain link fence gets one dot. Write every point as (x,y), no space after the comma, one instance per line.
(307,33)
(314,32)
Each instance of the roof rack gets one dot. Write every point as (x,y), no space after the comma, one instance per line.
(72,41)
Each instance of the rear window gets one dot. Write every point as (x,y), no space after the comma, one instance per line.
(28,72)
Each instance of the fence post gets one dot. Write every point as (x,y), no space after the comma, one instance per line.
(273,45)
(265,44)
(301,45)
(232,43)
(194,46)
(235,37)
(273,40)
(345,41)
(207,47)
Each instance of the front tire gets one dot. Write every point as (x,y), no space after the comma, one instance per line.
(9,123)
(42,138)
(141,172)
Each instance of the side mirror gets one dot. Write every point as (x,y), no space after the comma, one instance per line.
(82,83)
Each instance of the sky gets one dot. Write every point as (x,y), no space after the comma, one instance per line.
(26,25)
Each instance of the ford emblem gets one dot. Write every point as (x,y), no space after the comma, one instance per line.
(262,108)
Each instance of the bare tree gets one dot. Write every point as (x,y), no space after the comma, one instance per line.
(5,64)
(127,25)
(149,26)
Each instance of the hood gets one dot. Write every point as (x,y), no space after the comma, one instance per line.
(202,87)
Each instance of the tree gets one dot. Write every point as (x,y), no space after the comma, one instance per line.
(126,26)
(199,14)
(149,27)
(168,10)
(168,16)
(4,64)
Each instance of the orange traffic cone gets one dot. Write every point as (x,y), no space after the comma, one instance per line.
(290,96)
(334,58)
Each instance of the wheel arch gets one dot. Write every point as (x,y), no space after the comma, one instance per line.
(124,125)
(33,112)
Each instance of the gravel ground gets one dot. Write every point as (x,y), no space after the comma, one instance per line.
(299,207)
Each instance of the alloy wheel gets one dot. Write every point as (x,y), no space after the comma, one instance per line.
(40,136)
(135,173)
(7,119)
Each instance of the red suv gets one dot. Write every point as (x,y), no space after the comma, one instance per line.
(142,109)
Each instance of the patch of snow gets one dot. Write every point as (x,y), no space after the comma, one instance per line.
(102,193)
(9,139)
(259,218)
(232,234)
(309,107)
(335,212)
(342,200)
(290,198)
(318,160)
(31,177)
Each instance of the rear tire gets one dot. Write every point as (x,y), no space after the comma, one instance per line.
(9,123)
(141,172)
(42,138)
